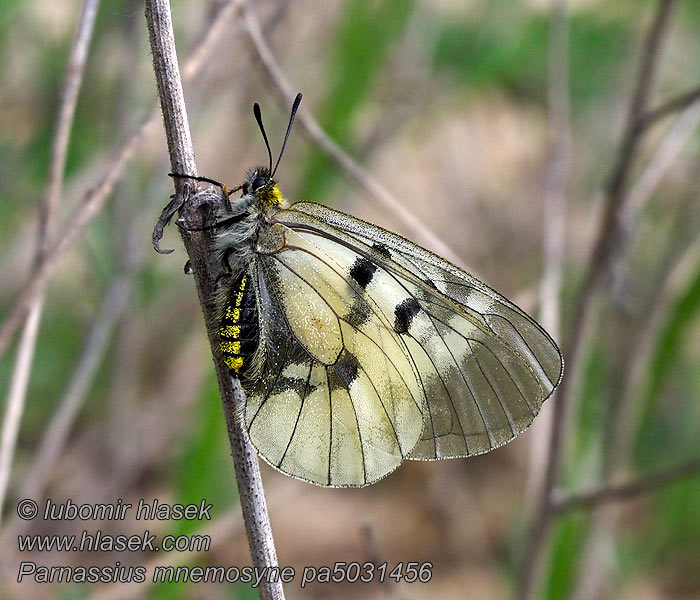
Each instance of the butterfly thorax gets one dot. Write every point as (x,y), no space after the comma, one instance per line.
(247,219)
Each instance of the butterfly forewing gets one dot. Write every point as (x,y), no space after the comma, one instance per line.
(501,316)
(481,364)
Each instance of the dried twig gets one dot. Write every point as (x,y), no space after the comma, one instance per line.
(664,157)
(90,205)
(669,107)
(206,269)
(675,277)
(54,440)
(600,533)
(347,164)
(626,491)
(49,207)
(554,211)
(624,413)
(608,231)
(554,219)
(15,401)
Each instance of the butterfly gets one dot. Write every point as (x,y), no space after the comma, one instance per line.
(359,349)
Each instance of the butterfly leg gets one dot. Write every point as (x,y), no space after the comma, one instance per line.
(202,179)
(205,207)
(170,209)
(218,184)
(176,204)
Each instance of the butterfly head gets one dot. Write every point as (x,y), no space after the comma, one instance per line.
(262,188)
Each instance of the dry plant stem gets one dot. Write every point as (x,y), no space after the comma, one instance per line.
(250,487)
(89,207)
(68,103)
(598,553)
(94,199)
(47,216)
(52,445)
(669,107)
(664,157)
(625,414)
(554,212)
(666,290)
(346,163)
(627,491)
(15,400)
(600,541)
(554,220)
(615,194)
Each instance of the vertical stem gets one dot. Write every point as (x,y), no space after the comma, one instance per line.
(615,195)
(47,215)
(554,222)
(197,244)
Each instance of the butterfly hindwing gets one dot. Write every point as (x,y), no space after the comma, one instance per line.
(338,402)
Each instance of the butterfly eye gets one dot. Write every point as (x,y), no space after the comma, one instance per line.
(258,183)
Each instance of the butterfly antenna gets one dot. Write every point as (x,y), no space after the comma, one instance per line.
(258,118)
(295,107)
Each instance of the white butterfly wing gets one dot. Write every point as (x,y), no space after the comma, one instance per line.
(485,366)
(338,401)
(374,350)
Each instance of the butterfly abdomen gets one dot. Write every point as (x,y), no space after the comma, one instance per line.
(238,328)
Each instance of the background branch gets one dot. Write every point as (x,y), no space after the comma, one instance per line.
(94,199)
(347,164)
(554,221)
(626,491)
(608,230)
(669,107)
(206,270)
(47,215)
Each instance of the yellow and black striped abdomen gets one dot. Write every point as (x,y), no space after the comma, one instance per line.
(238,329)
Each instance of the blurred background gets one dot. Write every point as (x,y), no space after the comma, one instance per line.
(499,124)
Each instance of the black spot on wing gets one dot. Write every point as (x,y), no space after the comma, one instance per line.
(358,314)
(405,312)
(343,372)
(362,271)
(299,385)
(381,249)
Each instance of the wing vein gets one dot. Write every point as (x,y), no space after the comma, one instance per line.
(330,419)
(359,330)
(301,408)
(515,385)
(386,412)
(495,393)
(447,391)
(537,360)
(466,383)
